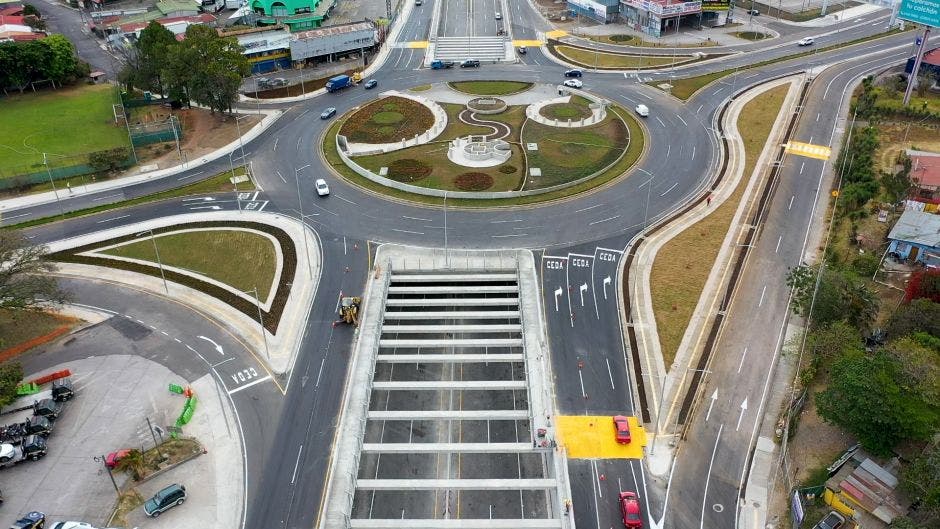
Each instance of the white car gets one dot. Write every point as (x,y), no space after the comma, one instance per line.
(805,41)
(573,83)
(322,189)
(642,110)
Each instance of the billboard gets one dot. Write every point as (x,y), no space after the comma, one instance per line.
(925,12)
(716,5)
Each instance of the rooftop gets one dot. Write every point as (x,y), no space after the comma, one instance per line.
(332,30)
(925,168)
(917,227)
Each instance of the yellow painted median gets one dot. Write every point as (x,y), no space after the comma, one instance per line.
(418,44)
(556,34)
(592,437)
(532,43)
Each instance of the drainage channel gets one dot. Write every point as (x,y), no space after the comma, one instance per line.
(448,406)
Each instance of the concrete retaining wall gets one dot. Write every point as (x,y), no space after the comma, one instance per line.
(440,123)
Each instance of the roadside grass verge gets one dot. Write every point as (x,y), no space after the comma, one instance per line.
(490,88)
(387,120)
(61,123)
(209,253)
(420,88)
(18,329)
(751,35)
(630,40)
(634,151)
(600,60)
(685,88)
(214,184)
(683,264)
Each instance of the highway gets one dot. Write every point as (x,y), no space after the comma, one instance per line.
(580,242)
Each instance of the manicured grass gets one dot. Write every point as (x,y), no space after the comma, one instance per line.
(420,88)
(211,253)
(565,111)
(387,120)
(634,151)
(490,88)
(456,128)
(215,184)
(567,154)
(19,327)
(61,123)
(630,40)
(678,274)
(750,35)
(684,89)
(592,59)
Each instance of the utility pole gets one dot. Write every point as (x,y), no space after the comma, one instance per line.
(303,222)
(159,262)
(917,60)
(261,322)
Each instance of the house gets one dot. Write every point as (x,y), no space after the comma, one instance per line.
(661,17)
(266,48)
(10,31)
(864,486)
(925,174)
(916,237)
(930,65)
(176,25)
(326,43)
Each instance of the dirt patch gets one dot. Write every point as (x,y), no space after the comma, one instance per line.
(30,330)
(896,137)
(473,182)
(203,132)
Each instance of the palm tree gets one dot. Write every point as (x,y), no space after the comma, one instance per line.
(132,463)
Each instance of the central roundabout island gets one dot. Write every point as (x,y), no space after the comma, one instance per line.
(485,141)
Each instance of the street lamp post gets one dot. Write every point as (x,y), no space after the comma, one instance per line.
(303,223)
(103,461)
(51,182)
(153,240)
(264,337)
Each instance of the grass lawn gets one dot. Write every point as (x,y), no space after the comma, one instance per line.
(490,88)
(65,122)
(750,35)
(589,58)
(211,253)
(26,326)
(678,275)
(894,100)
(565,154)
(215,184)
(420,88)
(630,40)
(634,151)
(577,108)
(387,120)
(456,128)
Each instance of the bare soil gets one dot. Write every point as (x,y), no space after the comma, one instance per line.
(892,136)
(203,132)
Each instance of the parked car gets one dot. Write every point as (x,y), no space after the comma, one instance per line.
(499,16)
(322,189)
(622,429)
(630,510)
(418,2)
(805,41)
(278,81)
(371,83)
(833,520)
(262,82)
(112,459)
(573,83)
(753,12)
(165,499)
(642,110)
(72,525)
(328,113)
(470,63)
(574,73)
(31,520)
(523,50)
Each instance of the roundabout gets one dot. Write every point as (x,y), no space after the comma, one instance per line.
(538,139)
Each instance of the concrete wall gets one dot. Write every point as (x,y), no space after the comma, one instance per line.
(440,123)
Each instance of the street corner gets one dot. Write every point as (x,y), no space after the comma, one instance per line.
(594,437)
(556,34)
(417,44)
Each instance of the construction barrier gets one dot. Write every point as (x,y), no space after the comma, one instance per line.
(29,388)
(176,388)
(52,376)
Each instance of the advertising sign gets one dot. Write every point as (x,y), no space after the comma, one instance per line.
(716,5)
(589,5)
(925,12)
(796,508)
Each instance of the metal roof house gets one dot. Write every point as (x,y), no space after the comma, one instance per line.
(916,237)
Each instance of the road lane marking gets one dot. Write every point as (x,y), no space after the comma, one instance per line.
(415,218)
(777,249)
(741,363)
(610,373)
(407,231)
(708,476)
(111,219)
(603,220)
(117,195)
(762,292)
(791,202)
(660,121)
(296,464)
(248,385)
(682,120)
(345,200)
(670,189)
(587,208)
(510,235)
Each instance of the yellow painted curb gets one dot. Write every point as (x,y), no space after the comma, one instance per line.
(593,437)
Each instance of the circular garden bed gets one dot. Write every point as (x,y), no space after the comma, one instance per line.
(387,120)
(487,105)
(490,88)
(566,111)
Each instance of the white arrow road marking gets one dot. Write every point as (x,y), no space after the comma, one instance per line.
(714,398)
(583,289)
(558,292)
(741,416)
(218,347)
(606,282)
(206,207)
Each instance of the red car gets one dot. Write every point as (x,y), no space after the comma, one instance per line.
(112,459)
(622,427)
(630,510)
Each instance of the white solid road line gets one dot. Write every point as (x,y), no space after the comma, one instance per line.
(296,464)
(115,196)
(407,231)
(415,218)
(708,477)
(112,219)
(248,385)
(743,356)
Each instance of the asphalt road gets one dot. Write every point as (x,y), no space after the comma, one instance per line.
(285,480)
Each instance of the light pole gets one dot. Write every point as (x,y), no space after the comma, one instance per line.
(649,184)
(104,461)
(51,182)
(303,223)
(264,337)
(240,144)
(159,262)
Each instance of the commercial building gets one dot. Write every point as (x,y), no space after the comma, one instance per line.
(604,11)
(267,48)
(326,43)
(297,15)
(658,18)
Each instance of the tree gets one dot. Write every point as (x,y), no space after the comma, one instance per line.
(214,68)
(920,315)
(11,374)
(865,104)
(61,62)
(866,398)
(840,296)
(25,280)
(919,363)
(921,481)
(132,463)
(153,55)
(828,342)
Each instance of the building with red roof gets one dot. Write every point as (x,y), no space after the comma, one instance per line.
(925,173)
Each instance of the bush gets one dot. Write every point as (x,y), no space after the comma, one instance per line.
(408,170)
(473,181)
(865,264)
(508,169)
(109,160)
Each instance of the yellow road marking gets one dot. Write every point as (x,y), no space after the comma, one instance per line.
(533,43)
(556,34)
(819,152)
(587,436)
(422,44)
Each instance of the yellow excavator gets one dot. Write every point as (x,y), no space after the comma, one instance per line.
(349,309)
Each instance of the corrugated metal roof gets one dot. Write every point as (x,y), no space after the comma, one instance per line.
(917,227)
(332,30)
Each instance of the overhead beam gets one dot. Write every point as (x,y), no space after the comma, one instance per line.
(456,484)
(451,415)
(448,358)
(445,448)
(484,385)
(440,344)
(458,523)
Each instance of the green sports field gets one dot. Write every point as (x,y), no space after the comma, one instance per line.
(62,123)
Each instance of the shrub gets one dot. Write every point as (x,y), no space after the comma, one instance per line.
(109,160)
(408,170)
(508,169)
(473,181)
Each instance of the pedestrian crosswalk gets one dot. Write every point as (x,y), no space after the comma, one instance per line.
(819,152)
(479,48)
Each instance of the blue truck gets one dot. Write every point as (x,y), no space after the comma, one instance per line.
(338,83)
(440,65)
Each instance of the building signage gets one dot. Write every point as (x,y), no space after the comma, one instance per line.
(925,12)
(716,5)
(667,10)
(589,5)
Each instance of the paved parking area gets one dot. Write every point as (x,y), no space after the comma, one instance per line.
(114,397)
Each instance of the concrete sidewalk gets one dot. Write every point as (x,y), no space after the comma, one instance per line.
(675,376)
(12,204)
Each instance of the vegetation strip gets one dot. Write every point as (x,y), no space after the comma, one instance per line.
(249,308)
(601,60)
(490,88)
